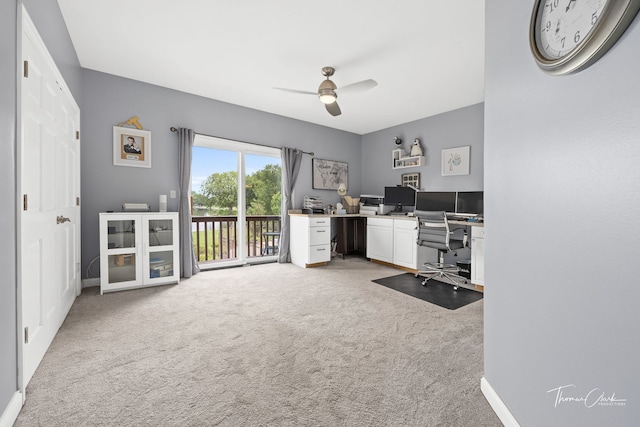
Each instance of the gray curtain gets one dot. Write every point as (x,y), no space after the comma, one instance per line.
(188,263)
(291,159)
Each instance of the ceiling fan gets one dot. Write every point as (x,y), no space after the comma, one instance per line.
(328,91)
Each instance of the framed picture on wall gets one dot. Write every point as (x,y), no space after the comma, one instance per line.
(411,179)
(455,161)
(131,147)
(329,174)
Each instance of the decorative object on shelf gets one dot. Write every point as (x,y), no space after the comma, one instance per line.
(567,39)
(455,161)
(329,174)
(411,180)
(131,147)
(401,160)
(397,140)
(342,189)
(416,149)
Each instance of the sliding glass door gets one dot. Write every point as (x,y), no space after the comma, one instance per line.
(236,202)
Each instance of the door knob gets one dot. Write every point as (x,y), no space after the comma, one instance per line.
(61,219)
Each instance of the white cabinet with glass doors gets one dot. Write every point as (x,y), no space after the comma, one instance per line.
(138,250)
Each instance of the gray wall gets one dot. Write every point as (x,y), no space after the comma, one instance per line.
(108,100)
(8,339)
(561,202)
(48,20)
(451,129)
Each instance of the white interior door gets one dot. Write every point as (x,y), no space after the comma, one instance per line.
(49,185)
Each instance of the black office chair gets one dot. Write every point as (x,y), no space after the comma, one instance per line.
(434,232)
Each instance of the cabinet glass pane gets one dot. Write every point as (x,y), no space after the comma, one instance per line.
(160,264)
(122,268)
(121,234)
(160,232)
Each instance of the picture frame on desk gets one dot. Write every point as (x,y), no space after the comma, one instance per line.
(410,179)
(131,147)
(329,174)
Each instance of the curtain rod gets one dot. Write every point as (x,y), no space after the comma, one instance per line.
(173,129)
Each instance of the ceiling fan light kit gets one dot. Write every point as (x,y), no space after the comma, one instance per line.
(326,91)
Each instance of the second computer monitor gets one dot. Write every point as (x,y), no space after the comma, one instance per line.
(470,203)
(436,201)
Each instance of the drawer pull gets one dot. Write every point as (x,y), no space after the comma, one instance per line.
(321,249)
(321,231)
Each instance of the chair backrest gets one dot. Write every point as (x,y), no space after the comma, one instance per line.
(433,229)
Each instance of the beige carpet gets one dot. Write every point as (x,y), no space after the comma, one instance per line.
(267,345)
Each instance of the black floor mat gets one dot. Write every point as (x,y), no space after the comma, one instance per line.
(435,292)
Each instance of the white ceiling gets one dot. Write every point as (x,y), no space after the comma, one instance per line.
(427,56)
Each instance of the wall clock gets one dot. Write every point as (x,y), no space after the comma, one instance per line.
(567,36)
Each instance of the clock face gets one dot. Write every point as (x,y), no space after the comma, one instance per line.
(564,24)
(566,36)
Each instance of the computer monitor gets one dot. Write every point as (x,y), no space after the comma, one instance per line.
(436,201)
(470,203)
(399,197)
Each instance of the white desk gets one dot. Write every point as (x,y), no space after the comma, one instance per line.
(388,238)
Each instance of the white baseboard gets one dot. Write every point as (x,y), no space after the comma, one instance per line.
(12,410)
(86,283)
(497,404)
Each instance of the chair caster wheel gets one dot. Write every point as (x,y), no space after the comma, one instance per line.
(455,288)
(424,282)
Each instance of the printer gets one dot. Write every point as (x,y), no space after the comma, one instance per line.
(373,205)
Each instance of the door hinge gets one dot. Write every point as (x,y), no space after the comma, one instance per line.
(77,201)
(26,68)
(77,134)
(25,202)
(26,335)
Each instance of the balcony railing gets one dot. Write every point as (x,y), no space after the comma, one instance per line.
(215,237)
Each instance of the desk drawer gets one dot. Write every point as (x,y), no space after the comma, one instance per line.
(319,222)
(477,232)
(319,235)
(380,222)
(405,224)
(319,253)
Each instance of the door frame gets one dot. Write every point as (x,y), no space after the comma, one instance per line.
(241,148)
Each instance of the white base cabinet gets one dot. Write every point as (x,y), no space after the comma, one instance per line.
(310,240)
(138,250)
(405,248)
(380,239)
(393,241)
(477,255)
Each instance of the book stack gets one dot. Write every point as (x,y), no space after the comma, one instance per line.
(160,268)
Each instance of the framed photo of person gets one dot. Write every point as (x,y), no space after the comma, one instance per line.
(131,147)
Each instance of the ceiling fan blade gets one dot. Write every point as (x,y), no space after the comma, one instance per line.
(304,92)
(333,109)
(358,86)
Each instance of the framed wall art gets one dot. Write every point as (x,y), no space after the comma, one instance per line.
(411,179)
(131,147)
(329,174)
(455,161)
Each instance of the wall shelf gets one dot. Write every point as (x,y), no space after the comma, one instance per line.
(400,161)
